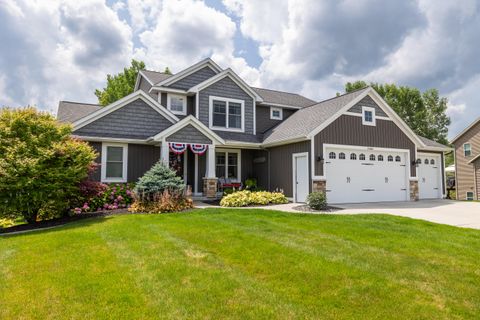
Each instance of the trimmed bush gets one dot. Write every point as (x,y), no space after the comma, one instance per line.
(248,198)
(163,203)
(156,180)
(317,200)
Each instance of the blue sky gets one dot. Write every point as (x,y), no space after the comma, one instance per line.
(307,46)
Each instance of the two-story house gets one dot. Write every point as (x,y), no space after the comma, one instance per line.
(211,127)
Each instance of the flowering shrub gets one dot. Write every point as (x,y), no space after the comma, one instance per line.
(167,201)
(99,196)
(247,198)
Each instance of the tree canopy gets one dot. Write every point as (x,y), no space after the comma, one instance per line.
(424,112)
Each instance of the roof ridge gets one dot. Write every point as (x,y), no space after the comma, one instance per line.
(336,97)
(75,102)
(298,94)
(156,71)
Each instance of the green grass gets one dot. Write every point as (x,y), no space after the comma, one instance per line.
(242,264)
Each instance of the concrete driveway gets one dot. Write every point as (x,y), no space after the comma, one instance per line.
(455,213)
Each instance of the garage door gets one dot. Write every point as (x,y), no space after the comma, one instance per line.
(429,176)
(365,175)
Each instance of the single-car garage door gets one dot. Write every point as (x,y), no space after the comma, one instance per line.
(356,175)
(429,176)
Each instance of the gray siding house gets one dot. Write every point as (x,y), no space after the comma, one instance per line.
(214,129)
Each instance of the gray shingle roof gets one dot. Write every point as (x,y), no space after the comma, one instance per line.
(284,98)
(305,120)
(431,143)
(154,76)
(69,111)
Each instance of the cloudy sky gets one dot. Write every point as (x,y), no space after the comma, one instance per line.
(54,50)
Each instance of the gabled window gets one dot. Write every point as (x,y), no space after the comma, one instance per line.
(467,149)
(227,114)
(368,116)
(114,162)
(177,104)
(276,113)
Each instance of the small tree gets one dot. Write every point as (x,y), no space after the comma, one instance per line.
(40,164)
(156,180)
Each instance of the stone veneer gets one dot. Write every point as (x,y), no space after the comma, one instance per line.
(413,190)
(319,186)
(210,187)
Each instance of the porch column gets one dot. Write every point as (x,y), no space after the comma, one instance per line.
(164,152)
(210,180)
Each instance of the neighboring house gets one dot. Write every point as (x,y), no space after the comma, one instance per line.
(210,126)
(467,162)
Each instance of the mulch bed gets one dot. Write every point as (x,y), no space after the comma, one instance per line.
(61,221)
(305,208)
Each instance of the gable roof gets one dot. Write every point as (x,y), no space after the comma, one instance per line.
(300,124)
(69,111)
(430,143)
(139,94)
(473,124)
(154,77)
(283,99)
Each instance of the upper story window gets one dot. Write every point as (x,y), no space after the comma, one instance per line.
(276,113)
(227,114)
(114,162)
(177,104)
(368,116)
(467,150)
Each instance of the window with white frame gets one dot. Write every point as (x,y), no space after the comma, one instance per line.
(177,104)
(467,149)
(469,196)
(227,164)
(368,116)
(114,162)
(227,114)
(276,113)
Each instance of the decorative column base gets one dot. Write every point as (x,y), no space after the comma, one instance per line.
(319,186)
(413,190)
(210,187)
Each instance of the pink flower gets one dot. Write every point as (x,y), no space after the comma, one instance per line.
(119,198)
(99,209)
(105,205)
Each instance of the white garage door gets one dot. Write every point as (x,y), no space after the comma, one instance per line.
(365,175)
(429,176)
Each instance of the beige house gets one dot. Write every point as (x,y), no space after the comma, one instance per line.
(467,162)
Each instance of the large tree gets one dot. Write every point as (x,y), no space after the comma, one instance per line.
(424,112)
(120,85)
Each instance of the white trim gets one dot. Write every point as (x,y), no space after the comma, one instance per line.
(466,195)
(470,149)
(280,111)
(185,166)
(114,140)
(244,145)
(368,123)
(354,114)
(139,94)
(137,81)
(270,104)
(239,161)
(184,106)
(190,70)
(168,90)
(227,102)
(474,123)
(283,142)
(254,117)
(195,188)
(103,168)
(185,122)
(234,77)
(197,107)
(441,167)
(294,172)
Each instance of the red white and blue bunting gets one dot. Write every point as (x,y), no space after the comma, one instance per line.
(198,148)
(178,148)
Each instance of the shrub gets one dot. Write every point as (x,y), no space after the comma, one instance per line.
(251,184)
(247,198)
(156,180)
(41,165)
(99,196)
(162,203)
(317,200)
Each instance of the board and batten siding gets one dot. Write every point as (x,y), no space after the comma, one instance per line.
(226,88)
(193,79)
(367,102)
(97,146)
(264,123)
(349,130)
(136,120)
(281,167)
(465,171)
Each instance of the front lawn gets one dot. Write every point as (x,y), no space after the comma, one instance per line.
(242,264)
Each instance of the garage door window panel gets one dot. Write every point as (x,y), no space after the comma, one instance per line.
(380,157)
(332,155)
(353,156)
(361,157)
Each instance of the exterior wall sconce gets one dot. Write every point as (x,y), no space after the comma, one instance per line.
(319,158)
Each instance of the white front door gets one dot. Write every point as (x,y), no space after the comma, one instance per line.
(300,177)
(429,176)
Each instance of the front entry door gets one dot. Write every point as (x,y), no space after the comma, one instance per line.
(300,177)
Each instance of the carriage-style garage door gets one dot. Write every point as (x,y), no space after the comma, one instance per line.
(429,176)
(356,175)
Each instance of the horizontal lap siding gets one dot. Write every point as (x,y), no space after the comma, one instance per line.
(189,134)
(348,130)
(193,79)
(281,175)
(465,172)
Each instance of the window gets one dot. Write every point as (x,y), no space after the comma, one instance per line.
(341,155)
(114,162)
(432,162)
(390,159)
(228,164)
(226,114)
(380,157)
(398,159)
(368,116)
(467,149)
(177,104)
(361,157)
(332,155)
(419,161)
(276,113)
(426,161)
(353,156)
(469,196)
(372,157)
